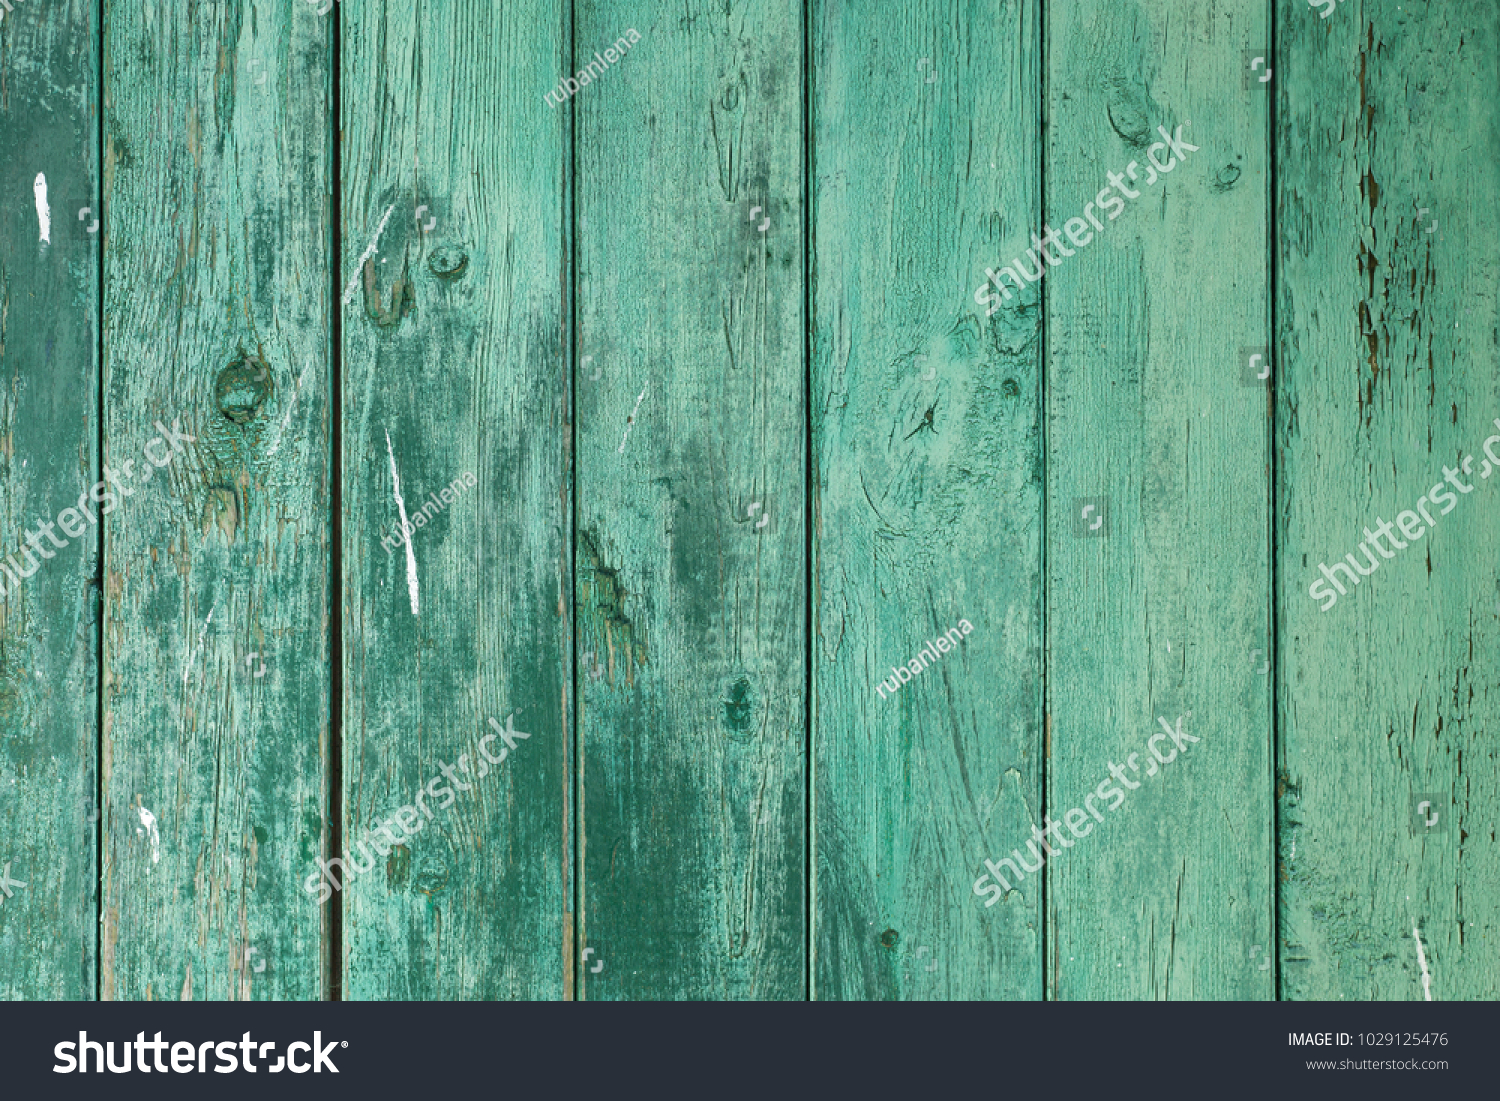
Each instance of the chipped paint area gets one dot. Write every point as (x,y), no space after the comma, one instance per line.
(148,829)
(411,558)
(194,654)
(630,421)
(369,252)
(1422,962)
(43,214)
(287,416)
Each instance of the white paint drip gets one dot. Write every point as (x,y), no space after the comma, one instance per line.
(194,654)
(1422,960)
(369,252)
(148,820)
(631,422)
(43,214)
(286,418)
(411,558)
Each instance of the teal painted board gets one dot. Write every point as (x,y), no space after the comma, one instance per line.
(217,585)
(927,499)
(1388,315)
(49,382)
(691,564)
(456,419)
(1158,513)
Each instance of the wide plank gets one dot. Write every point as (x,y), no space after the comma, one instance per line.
(927,499)
(49,455)
(1158,518)
(691,561)
(216,708)
(1387,320)
(455,385)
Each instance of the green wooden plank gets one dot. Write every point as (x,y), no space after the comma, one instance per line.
(1156,613)
(216,296)
(927,500)
(692,734)
(1387,333)
(49,387)
(443,109)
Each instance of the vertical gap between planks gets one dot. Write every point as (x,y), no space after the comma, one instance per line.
(1273,647)
(809,879)
(100,573)
(334,964)
(1042,364)
(570,202)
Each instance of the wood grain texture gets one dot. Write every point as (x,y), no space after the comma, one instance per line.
(216,313)
(689,364)
(1157,617)
(455,363)
(49,381)
(692,737)
(1388,340)
(927,498)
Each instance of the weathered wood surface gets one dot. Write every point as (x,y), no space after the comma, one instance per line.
(927,499)
(1157,615)
(49,453)
(455,362)
(1388,321)
(730,467)
(692,740)
(216,307)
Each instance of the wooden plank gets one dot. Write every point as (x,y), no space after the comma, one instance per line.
(455,342)
(49,393)
(216,298)
(927,500)
(693,603)
(1155,613)
(1387,319)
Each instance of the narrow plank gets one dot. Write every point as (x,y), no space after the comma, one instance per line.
(1155,613)
(1387,319)
(691,480)
(927,499)
(217,589)
(49,390)
(454,365)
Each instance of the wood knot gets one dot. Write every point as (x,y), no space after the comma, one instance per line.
(242,388)
(448,262)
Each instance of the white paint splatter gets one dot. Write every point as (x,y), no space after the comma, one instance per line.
(194,654)
(411,558)
(148,820)
(369,252)
(631,422)
(1422,960)
(43,214)
(280,428)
